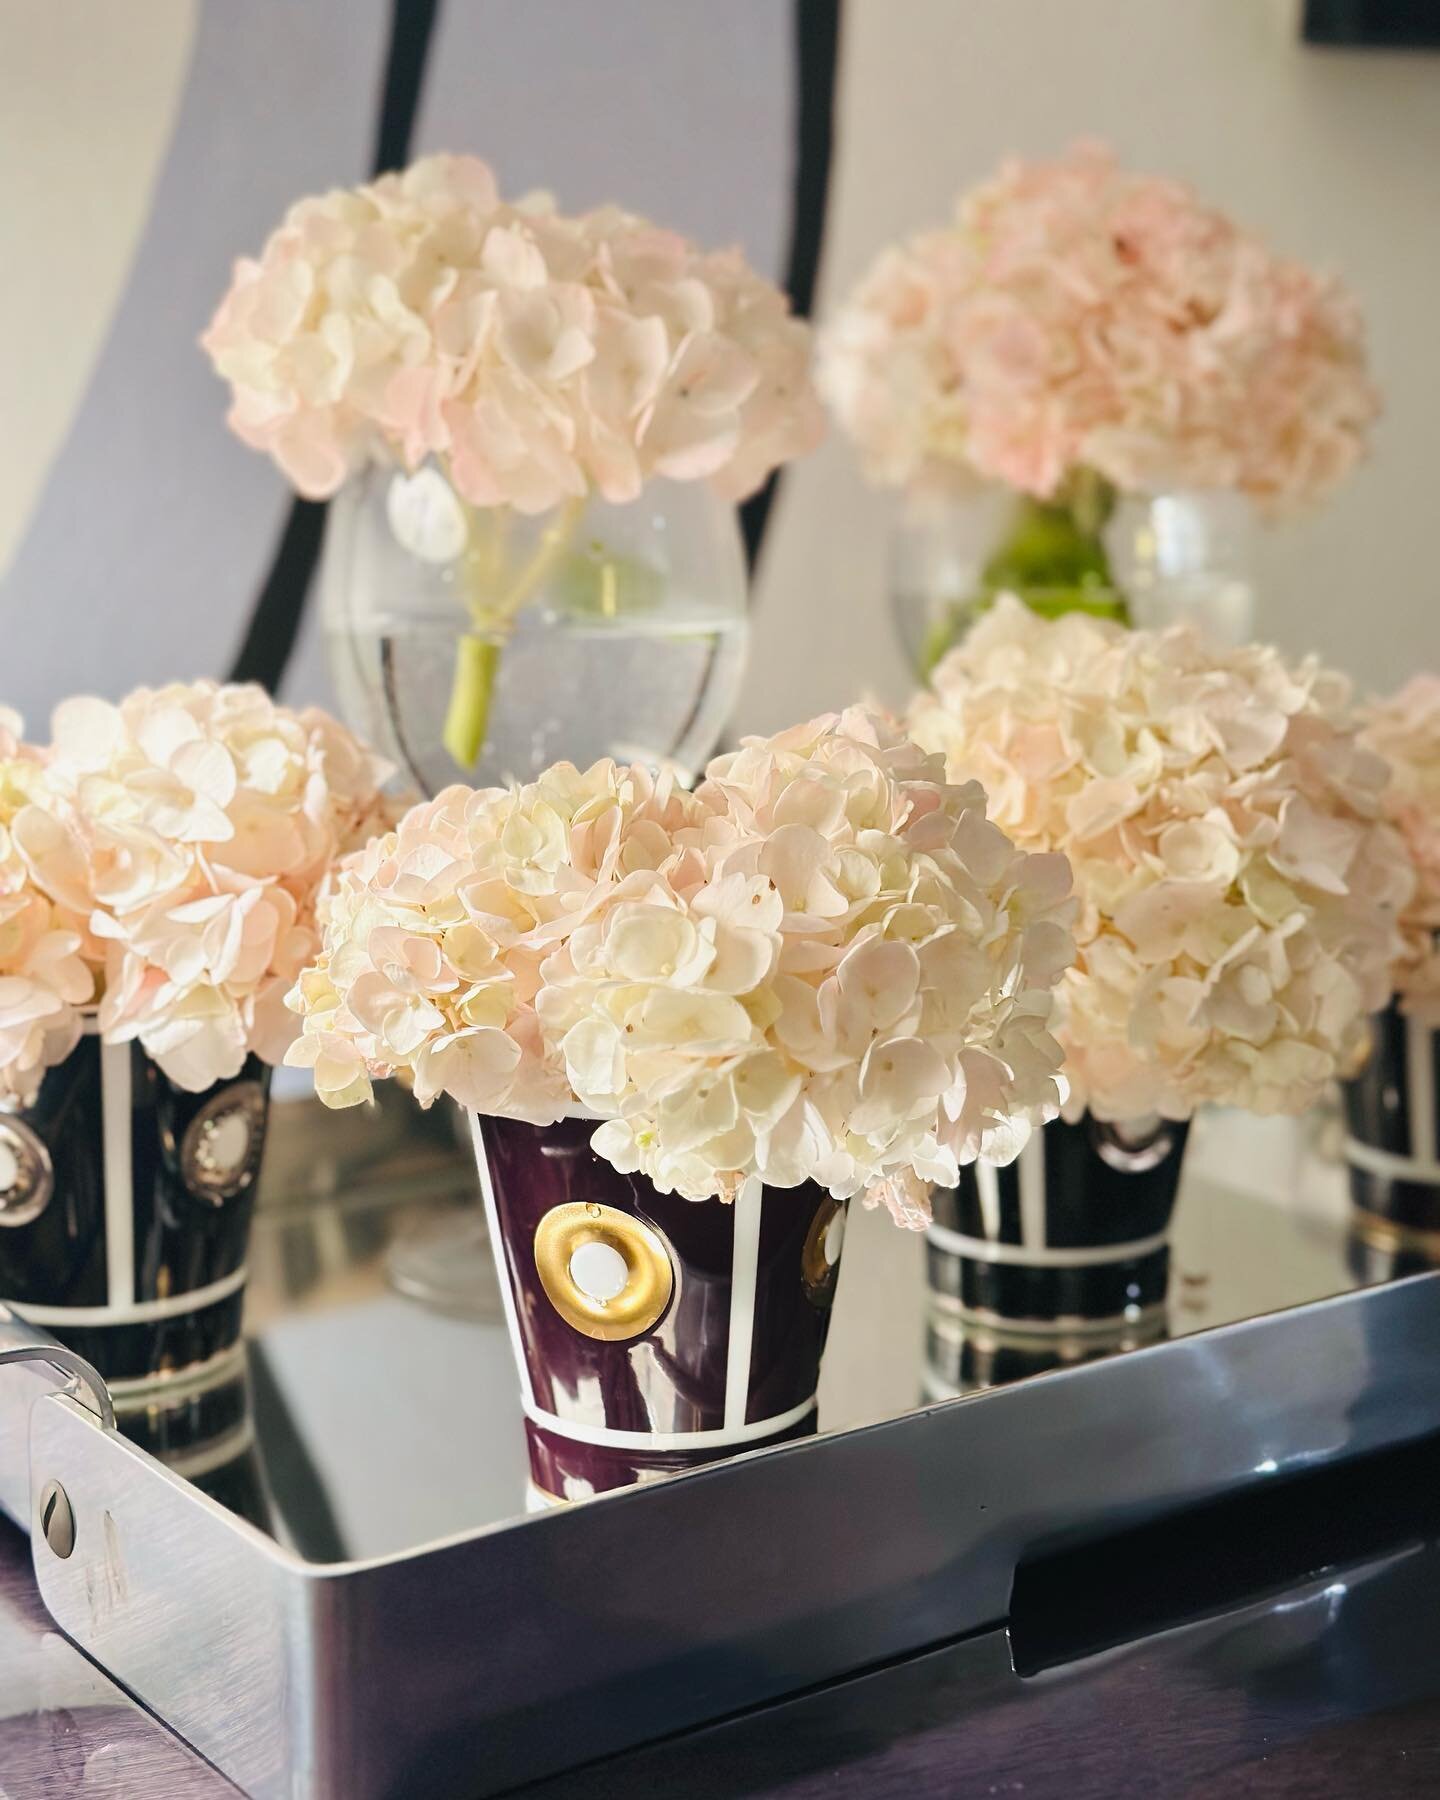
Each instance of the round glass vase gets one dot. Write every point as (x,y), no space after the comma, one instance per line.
(1188,557)
(652,1334)
(1142,559)
(953,551)
(479,645)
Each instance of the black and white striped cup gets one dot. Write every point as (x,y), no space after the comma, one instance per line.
(125,1208)
(1072,1237)
(1392,1142)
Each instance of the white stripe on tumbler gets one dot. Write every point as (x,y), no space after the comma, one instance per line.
(1420,1088)
(744,1275)
(987,1185)
(1092,1256)
(138,1312)
(612,1438)
(1385,1162)
(132,1393)
(502,1266)
(1032,1193)
(115,1128)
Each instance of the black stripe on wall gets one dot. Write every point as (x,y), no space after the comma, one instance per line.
(816,25)
(1372,24)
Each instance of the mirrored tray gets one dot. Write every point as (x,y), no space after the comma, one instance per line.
(356,1467)
(317,1564)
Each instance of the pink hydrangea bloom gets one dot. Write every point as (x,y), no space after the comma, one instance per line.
(537,356)
(1405,730)
(1078,316)
(186,833)
(825,964)
(1238,887)
(44,979)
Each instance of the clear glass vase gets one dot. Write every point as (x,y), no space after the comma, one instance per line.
(1188,557)
(952,553)
(1138,559)
(480,645)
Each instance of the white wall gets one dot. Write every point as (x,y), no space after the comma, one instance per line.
(1334,155)
(87,100)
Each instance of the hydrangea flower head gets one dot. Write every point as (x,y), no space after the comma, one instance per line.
(538,356)
(44,979)
(187,833)
(1076,316)
(1405,730)
(1238,888)
(824,965)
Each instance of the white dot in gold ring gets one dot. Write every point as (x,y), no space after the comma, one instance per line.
(599,1271)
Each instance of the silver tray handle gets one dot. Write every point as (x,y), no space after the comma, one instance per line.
(21,1342)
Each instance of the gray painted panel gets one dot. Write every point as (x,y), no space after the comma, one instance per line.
(679,112)
(155,528)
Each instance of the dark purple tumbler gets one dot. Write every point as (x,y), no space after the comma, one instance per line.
(652,1333)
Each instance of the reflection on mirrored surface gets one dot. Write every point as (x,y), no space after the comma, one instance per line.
(381,1423)
(962,1357)
(202,1427)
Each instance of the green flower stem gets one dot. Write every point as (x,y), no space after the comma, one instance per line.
(554,541)
(476,661)
(493,604)
(1052,556)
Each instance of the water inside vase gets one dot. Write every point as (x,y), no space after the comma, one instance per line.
(646,689)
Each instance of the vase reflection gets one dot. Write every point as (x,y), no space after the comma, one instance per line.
(962,1357)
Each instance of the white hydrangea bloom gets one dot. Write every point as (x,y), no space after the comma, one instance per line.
(1075,315)
(44,979)
(824,965)
(1237,888)
(188,831)
(536,355)
(1405,730)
